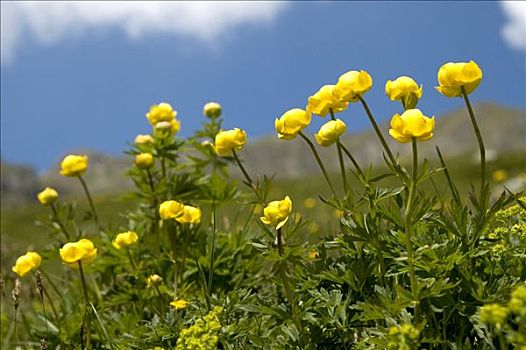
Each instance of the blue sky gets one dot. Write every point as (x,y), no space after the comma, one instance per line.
(86,82)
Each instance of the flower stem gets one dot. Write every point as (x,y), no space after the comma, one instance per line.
(212,253)
(92,206)
(83,326)
(130,257)
(482,149)
(409,231)
(340,157)
(378,131)
(351,158)
(247,176)
(291,298)
(57,220)
(83,280)
(155,208)
(279,239)
(320,163)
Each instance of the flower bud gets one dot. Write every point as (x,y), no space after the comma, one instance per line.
(412,123)
(125,239)
(74,165)
(212,110)
(291,123)
(143,140)
(404,89)
(330,132)
(352,85)
(276,213)
(154,280)
(144,160)
(323,101)
(453,77)
(228,140)
(47,196)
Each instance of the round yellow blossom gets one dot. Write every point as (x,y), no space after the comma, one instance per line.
(212,110)
(154,280)
(125,239)
(404,89)
(228,140)
(412,123)
(499,175)
(291,123)
(171,210)
(330,132)
(144,160)
(47,196)
(276,213)
(352,85)
(323,101)
(191,215)
(494,314)
(163,112)
(179,304)
(143,139)
(26,263)
(82,251)
(74,165)
(453,76)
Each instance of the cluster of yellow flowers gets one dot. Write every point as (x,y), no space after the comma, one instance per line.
(497,315)
(403,337)
(203,335)
(184,214)
(162,117)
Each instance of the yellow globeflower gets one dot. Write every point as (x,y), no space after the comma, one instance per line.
(330,132)
(228,140)
(276,213)
(125,239)
(291,123)
(179,304)
(454,76)
(412,123)
(154,280)
(74,165)
(171,210)
(323,100)
(191,215)
(404,89)
(26,263)
(144,160)
(352,85)
(47,196)
(212,110)
(143,140)
(163,112)
(73,252)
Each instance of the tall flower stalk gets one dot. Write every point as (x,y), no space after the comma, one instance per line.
(90,200)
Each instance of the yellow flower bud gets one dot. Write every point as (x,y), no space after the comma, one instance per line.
(191,215)
(154,280)
(404,89)
(74,165)
(166,129)
(228,140)
(26,263)
(323,101)
(291,123)
(144,160)
(212,110)
(73,252)
(352,85)
(143,140)
(171,210)
(47,196)
(412,123)
(179,304)
(163,112)
(452,77)
(125,239)
(276,213)
(330,132)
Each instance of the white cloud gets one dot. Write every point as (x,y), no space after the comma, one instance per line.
(514,30)
(50,22)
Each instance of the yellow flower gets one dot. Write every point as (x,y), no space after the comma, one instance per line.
(125,239)
(352,85)
(163,112)
(291,123)
(154,280)
(499,175)
(330,132)
(179,304)
(143,140)
(191,215)
(404,89)
(517,303)
(228,140)
(47,196)
(212,110)
(309,203)
(323,101)
(171,210)
(144,160)
(453,76)
(313,254)
(276,213)
(494,314)
(412,123)
(26,263)
(73,165)
(73,252)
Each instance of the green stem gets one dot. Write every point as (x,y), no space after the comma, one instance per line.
(482,149)
(352,159)
(132,262)
(247,176)
(92,206)
(174,258)
(86,304)
(212,253)
(378,131)
(291,299)
(83,280)
(320,163)
(57,220)
(279,239)
(409,231)
(340,157)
